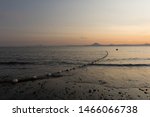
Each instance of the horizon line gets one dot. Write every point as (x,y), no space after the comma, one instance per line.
(98,44)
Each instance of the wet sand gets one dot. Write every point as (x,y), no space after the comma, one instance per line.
(91,83)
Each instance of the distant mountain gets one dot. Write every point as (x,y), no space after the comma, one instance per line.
(96,44)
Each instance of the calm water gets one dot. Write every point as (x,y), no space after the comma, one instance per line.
(28,61)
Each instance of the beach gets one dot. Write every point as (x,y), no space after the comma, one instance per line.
(88,85)
(114,78)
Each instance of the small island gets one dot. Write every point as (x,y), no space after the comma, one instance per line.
(96,44)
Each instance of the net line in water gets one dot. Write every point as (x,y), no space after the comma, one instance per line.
(54,74)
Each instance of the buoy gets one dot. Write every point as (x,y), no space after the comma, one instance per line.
(49,74)
(35,77)
(15,80)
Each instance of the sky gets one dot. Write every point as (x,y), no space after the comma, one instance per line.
(74,22)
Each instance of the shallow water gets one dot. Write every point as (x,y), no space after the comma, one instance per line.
(23,62)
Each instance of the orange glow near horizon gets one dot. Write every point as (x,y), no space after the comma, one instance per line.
(74,22)
(117,39)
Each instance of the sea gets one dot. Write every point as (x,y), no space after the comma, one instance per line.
(24,62)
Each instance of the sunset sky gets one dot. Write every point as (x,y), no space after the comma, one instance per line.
(64,22)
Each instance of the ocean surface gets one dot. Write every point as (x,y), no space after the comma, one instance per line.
(24,62)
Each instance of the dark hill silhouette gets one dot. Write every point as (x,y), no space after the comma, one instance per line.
(96,44)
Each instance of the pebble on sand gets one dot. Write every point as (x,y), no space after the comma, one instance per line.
(57,74)
(90,91)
